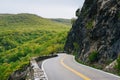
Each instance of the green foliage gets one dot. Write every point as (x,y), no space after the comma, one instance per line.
(7,43)
(63,21)
(93,56)
(118,64)
(76,45)
(23,36)
(89,24)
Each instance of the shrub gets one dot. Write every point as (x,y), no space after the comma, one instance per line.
(118,63)
(93,56)
(89,25)
(76,45)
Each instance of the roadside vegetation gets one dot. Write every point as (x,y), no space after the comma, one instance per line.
(93,56)
(24,36)
(117,66)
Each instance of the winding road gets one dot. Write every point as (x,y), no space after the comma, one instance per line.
(64,67)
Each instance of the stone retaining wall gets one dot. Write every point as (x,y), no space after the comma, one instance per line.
(32,71)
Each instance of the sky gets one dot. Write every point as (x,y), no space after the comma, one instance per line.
(43,8)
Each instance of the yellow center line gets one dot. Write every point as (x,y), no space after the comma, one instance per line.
(74,71)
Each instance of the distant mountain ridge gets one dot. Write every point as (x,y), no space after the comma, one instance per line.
(23,18)
(27,19)
(64,21)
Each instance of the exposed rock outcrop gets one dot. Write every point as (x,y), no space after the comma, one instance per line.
(19,74)
(96,29)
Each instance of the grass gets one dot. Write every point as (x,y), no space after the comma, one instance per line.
(23,36)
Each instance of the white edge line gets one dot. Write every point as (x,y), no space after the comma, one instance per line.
(96,69)
(44,70)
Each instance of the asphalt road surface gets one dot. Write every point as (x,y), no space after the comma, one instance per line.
(64,67)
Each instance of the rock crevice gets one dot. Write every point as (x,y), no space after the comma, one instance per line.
(96,29)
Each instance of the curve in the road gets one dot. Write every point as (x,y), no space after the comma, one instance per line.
(74,71)
(64,67)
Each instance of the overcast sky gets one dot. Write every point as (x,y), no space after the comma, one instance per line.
(44,8)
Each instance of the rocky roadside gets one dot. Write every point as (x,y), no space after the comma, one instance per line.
(32,71)
(95,36)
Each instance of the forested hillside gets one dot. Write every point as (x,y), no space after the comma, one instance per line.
(23,36)
(63,21)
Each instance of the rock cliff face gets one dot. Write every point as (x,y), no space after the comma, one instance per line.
(97,30)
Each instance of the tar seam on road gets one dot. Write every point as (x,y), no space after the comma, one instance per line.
(74,71)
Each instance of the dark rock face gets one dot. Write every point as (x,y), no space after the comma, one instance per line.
(96,29)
